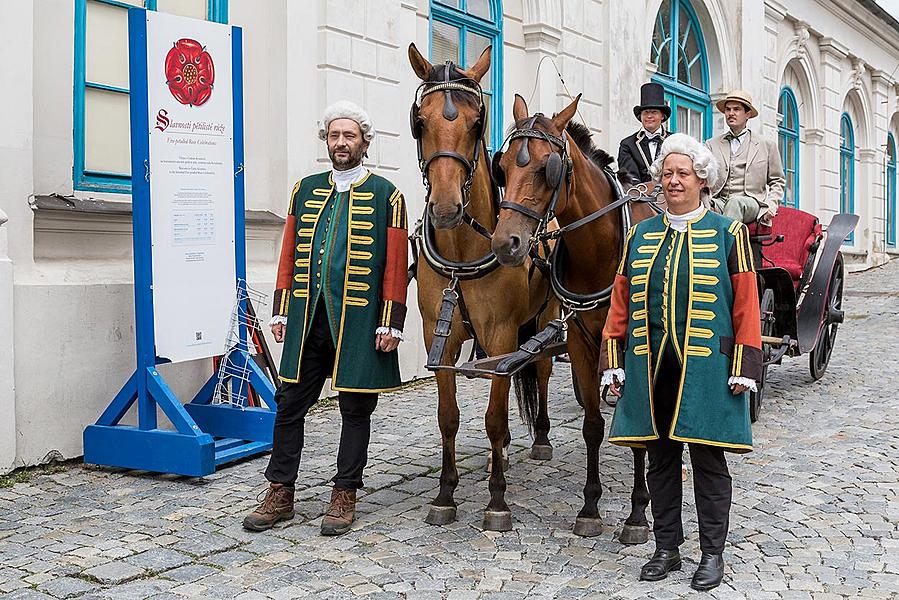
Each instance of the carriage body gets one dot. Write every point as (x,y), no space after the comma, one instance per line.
(800,274)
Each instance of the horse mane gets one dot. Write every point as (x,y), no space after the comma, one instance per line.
(583,139)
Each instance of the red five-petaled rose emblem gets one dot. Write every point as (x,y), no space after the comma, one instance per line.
(189,72)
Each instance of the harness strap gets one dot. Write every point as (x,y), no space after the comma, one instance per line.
(521,209)
(443,326)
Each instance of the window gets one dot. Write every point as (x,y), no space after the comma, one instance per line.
(847,169)
(890,195)
(460,30)
(788,138)
(678,50)
(101,112)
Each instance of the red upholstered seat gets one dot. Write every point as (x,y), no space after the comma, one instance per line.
(800,230)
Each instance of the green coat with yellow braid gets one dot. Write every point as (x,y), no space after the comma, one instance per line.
(349,250)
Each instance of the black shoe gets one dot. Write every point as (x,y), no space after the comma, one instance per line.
(710,572)
(661,563)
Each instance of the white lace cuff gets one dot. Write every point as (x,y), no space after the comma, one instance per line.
(608,374)
(278,320)
(393,332)
(748,382)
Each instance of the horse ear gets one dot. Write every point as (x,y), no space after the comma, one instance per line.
(419,63)
(519,108)
(561,119)
(477,70)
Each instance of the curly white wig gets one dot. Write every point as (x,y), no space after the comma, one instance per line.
(704,162)
(344,109)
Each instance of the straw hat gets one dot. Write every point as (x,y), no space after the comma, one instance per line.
(738,96)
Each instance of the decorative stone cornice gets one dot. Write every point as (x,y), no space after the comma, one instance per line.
(542,36)
(814,136)
(775,11)
(831,47)
(867,155)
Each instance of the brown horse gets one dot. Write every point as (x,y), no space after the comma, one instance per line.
(448,122)
(544,173)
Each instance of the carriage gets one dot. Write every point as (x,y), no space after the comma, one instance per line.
(800,273)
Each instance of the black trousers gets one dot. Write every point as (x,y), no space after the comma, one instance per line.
(711,479)
(295,399)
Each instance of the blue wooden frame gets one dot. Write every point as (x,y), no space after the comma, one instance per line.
(206,434)
(676,92)
(786,135)
(890,195)
(459,17)
(847,176)
(97,181)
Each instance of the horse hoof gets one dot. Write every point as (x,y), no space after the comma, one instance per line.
(632,535)
(497,520)
(587,527)
(541,452)
(441,515)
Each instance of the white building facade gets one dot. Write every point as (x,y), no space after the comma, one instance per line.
(822,73)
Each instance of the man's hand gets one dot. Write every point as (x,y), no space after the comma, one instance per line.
(278,331)
(386,342)
(615,387)
(738,389)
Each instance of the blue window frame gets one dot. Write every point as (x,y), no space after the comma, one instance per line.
(788,138)
(847,169)
(890,211)
(678,50)
(459,31)
(101,86)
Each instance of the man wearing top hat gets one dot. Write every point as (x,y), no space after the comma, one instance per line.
(753,172)
(638,151)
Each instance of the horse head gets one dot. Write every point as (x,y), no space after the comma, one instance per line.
(536,173)
(448,120)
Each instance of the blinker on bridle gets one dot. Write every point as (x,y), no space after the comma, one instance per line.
(557,170)
(450,113)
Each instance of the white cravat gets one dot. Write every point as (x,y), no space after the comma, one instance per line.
(344,179)
(679,222)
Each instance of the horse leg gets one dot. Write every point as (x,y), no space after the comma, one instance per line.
(584,360)
(506,443)
(542,449)
(497,516)
(443,508)
(636,527)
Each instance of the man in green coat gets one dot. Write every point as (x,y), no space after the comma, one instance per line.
(340,304)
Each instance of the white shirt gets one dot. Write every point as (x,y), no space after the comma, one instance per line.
(344,179)
(737,140)
(654,139)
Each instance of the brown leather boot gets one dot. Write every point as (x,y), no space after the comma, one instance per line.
(276,506)
(341,513)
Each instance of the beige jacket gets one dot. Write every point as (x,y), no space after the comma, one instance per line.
(764,177)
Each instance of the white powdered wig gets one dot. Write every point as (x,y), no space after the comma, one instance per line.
(704,162)
(344,109)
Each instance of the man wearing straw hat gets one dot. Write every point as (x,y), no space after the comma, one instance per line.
(754,175)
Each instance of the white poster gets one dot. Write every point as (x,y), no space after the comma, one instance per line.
(191,170)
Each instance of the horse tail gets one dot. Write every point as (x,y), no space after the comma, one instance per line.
(526,390)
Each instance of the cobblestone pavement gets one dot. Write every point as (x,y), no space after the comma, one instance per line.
(815,514)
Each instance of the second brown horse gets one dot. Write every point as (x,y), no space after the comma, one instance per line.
(575,177)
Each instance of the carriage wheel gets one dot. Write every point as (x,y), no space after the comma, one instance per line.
(766,310)
(833,316)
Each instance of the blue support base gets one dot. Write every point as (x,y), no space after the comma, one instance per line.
(156,450)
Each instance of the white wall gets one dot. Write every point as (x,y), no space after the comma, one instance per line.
(66,300)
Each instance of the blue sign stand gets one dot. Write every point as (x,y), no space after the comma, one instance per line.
(206,435)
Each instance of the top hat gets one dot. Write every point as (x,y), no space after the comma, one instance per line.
(652,97)
(738,96)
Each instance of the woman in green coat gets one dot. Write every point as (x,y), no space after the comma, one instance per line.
(681,347)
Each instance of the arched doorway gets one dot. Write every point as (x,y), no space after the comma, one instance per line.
(788,140)
(679,51)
